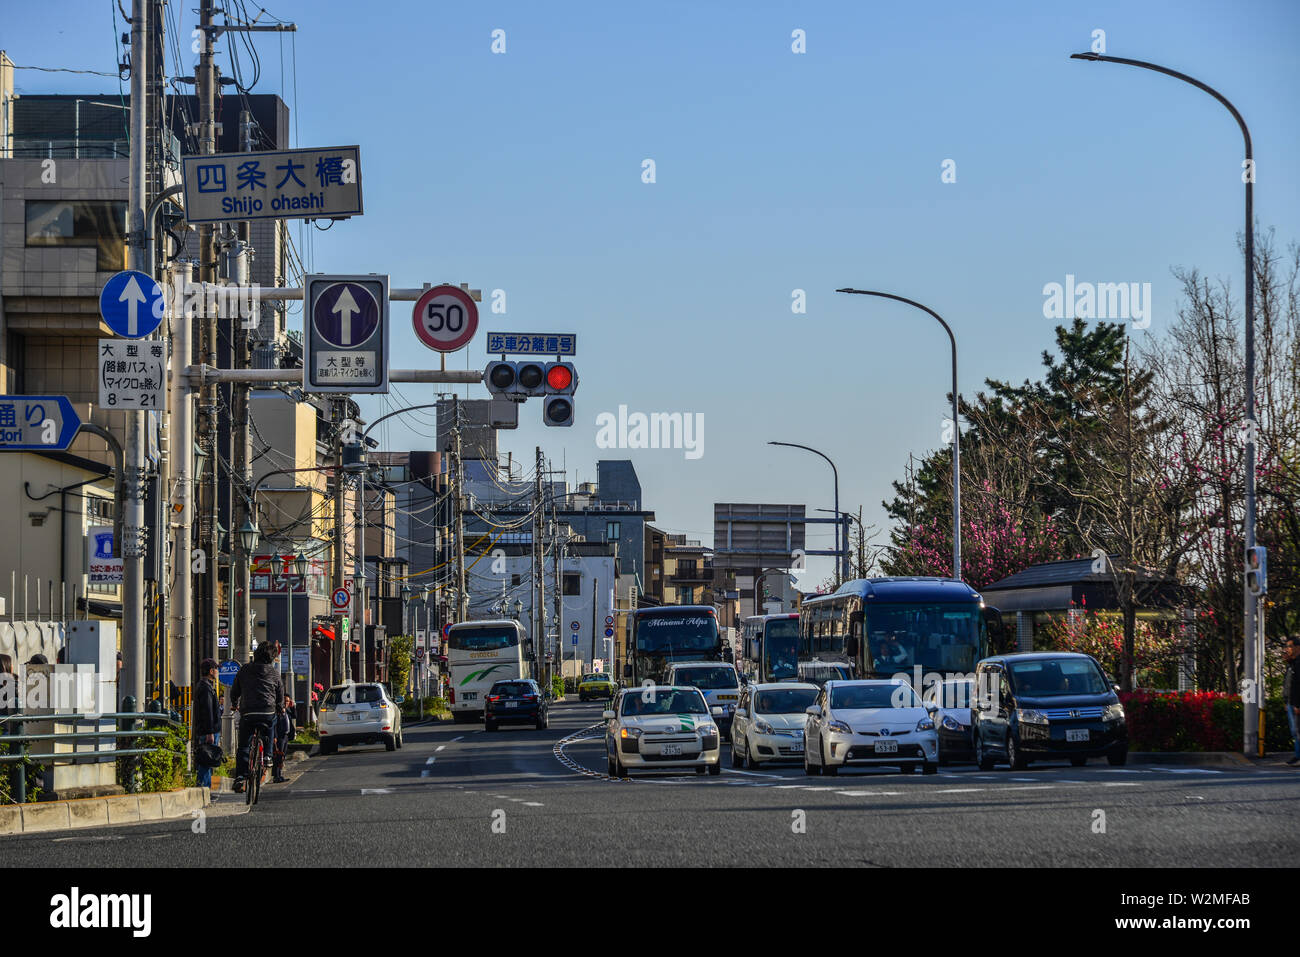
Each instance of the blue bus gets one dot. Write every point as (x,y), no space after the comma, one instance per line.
(769,648)
(662,634)
(883,627)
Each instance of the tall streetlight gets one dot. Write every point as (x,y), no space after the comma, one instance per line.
(956,429)
(840,571)
(1252,653)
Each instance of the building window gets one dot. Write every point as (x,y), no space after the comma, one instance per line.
(686,567)
(612,531)
(81,223)
(687,595)
(572,583)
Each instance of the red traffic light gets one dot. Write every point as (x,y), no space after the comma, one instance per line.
(559,377)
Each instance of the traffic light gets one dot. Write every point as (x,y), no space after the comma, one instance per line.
(532,377)
(1257,570)
(561,381)
(502,378)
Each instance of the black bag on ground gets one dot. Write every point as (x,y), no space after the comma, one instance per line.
(208,755)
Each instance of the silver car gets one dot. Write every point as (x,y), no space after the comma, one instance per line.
(768,725)
(662,726)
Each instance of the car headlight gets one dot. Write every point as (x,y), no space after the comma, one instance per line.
(762,727)
(1026,716)
(925,724)
(1113,712)
(706,729)
(950,723)
(839,727)
(629,732)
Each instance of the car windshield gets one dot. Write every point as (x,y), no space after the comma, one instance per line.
(656,701)
(674,634)
(512,689)
(353,694)
(596,678)
(488,638)
(707,678)
(849,697)
(784,701)
(1057,677)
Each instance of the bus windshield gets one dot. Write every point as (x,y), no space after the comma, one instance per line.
(781,649)
(487,638)
(673,635)
(935,637)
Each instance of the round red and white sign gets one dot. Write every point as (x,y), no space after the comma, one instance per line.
(445,318)
(342,598)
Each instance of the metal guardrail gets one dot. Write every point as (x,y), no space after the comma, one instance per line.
(126,721)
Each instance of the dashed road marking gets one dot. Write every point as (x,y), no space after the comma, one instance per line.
(365,791)
(855,794)
(958,790)
(439,747)
(461,738)
(534,804)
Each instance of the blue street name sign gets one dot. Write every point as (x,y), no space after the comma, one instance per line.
(132,304)
(575,639)
(533,343)
(41,423)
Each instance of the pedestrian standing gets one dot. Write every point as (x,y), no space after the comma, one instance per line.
(207,714)
(1291,694)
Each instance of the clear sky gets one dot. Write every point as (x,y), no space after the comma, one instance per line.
(775,171)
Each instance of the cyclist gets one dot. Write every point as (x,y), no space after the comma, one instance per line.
(258,695)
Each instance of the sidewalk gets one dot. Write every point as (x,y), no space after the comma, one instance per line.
(101,811)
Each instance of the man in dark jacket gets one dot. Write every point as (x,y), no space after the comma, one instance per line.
(258,695)
(207,714)
(1291,694)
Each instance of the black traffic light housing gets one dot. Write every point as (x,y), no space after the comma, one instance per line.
(561,381)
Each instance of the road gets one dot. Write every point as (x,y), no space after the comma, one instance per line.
(456,795)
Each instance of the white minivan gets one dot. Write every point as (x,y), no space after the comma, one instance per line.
(720,682)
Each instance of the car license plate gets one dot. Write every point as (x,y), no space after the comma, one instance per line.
(672,749)
(726,697)
(797,747)
(1080,735)
(886,747)
(512,704)
(470,695)
(354,716)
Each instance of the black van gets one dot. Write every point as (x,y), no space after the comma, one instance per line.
(1046,705)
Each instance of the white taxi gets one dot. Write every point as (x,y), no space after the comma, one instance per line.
(662,726)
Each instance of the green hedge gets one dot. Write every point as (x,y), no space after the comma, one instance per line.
(1197,721)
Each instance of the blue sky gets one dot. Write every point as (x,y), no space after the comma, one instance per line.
(775,171)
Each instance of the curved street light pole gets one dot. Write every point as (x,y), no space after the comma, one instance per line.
(956,429)
(839,554)
(1252,653)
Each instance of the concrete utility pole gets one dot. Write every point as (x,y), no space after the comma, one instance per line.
(237,260)
(559,592)
(458,476)
(180,400)
(133,645)
(539,571)
(338,657)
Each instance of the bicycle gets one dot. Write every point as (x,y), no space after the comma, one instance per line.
(256,767)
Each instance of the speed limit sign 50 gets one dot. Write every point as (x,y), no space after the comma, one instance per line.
(445,318)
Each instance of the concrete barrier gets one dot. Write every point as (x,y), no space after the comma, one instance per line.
(102,811)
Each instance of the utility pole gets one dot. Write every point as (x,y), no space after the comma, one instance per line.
(180,401)
(559,592)
(338,655)
(458,477)
(237,266)
(539,572)
(133,643)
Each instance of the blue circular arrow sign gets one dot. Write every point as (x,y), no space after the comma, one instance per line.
(132,304)
(346,314)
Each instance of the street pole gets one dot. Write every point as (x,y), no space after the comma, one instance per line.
(236,257)
(181,402)
(956,427)
(539,573)
(462,599)
(338,658)
(841,571)
(133,639)
(1252,642)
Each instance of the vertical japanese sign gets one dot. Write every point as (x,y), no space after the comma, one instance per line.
(132,374)
(287,184)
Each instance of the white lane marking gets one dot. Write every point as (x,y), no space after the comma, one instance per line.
(1069,781)
(365,791)
(307,791)
(1023,780)
(431,760)
(1033,787)
(108,837)
(454,740)
(534,804)
(1190,770)
(958,790)
(752,774)
(1122,784)
(439,747)
(1120,770)
(786,787)
(856,794)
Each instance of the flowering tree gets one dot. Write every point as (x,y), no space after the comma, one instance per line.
(1154,660)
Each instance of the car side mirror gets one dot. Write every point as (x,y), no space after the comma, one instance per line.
(1116,687)
(740,712)
(813,710)
(932,707)
(607,715)
(715,710)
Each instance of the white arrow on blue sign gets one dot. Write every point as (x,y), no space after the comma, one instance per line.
(132,304)
(44,423)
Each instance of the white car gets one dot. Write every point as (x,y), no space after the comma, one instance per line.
(662,726)
(358,714)
(869,722)
(953,719)
(768,724)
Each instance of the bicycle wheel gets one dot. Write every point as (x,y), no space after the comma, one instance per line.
(256,758)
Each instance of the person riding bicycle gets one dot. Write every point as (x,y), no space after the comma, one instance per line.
(258,695)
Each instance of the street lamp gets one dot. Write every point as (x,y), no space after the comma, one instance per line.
(839,565)
(249,536)
(200,461)
(956,429)
(1253,653)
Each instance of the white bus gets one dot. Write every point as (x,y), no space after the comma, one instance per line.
(478,654)
(769,648)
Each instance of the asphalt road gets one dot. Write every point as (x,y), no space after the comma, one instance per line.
(456,796)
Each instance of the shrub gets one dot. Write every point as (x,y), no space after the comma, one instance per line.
(557,687)
(1197,721)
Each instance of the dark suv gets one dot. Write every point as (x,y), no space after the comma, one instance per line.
(515,701)
(1046,705)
